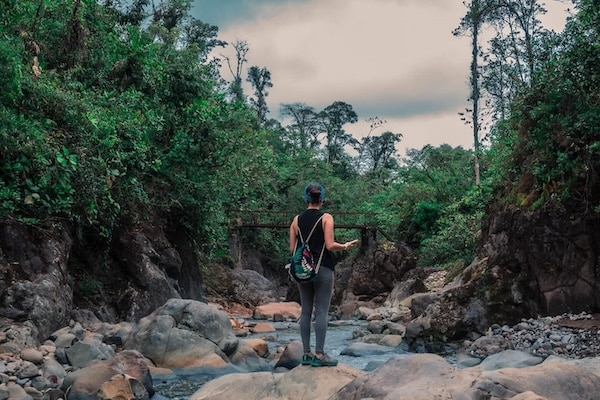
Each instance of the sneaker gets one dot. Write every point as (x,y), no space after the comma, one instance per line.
(307,358)
(323,361)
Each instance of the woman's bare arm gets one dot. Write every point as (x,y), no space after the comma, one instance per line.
(330,242)
(293,234)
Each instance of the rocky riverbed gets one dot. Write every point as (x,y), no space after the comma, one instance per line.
(41,372)
(537,359)
(566,335)
(569,336)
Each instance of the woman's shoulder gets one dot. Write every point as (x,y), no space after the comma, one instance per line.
(327,216)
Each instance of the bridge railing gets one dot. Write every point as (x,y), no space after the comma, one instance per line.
(283,219)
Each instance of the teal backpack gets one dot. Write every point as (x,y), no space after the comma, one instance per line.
(303,268)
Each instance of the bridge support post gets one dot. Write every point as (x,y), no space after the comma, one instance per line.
(235,248)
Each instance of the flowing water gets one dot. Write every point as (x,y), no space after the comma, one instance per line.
(339,336)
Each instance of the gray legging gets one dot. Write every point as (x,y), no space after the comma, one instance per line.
(317,294)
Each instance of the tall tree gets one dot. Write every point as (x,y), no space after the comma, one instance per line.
(379,151)
(260,79)
(333,118)
(241,49)
(514,52)
(478,11)
(304,128)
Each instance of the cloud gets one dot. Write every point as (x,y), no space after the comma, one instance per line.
(395,59)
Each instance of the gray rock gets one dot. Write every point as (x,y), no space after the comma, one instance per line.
(82,354)
(359,349)
(510,359)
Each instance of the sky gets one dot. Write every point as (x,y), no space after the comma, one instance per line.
(392,59)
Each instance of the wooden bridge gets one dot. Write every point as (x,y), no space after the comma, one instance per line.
(283,219)
(266,219)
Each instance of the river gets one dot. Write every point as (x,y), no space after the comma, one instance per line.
(339,336)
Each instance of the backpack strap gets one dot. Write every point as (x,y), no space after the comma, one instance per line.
(308,238)
(320,258)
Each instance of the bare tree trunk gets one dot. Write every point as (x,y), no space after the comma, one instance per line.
(475,92)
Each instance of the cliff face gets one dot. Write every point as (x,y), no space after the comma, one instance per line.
(45,275)
(540,262)
(35,285)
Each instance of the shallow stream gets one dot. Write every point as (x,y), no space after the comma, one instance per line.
(339,336)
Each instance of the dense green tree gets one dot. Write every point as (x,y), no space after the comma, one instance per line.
(333,118)
(260,79)
(378,153)
(303,131)
(126,122)
(519,46)
(237,68)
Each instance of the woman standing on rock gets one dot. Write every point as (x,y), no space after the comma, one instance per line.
(317,293)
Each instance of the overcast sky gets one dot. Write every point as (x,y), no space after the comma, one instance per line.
(392,59)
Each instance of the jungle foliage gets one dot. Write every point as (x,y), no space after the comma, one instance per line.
(114,111)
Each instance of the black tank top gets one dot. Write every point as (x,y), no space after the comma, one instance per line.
(306,221)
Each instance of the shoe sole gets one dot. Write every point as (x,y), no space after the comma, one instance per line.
(324,365)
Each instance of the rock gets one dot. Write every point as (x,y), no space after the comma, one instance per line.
(27,370)
(372,276)
(64,340)
(402,377)
(259,346)
(82,354)
(300,383)
(33,392)
(247,359)
(420,301)
(291,356)
(16,392)
(184,334)
(290,310)
(262,327)
(33,355)
(540,262)
(509,358)
(465,360)
(17,336)
(403,289)
(4,392)
(391,340)
(363,312)
(87,381)
(250,287)
(122,387)
(36,284)
(359,349)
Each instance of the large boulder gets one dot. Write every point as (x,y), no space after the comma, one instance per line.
(451,313)
(184,334)
(303,382)
(427,376)
(95,379)
(251,288)
(369,279)
(189,334)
